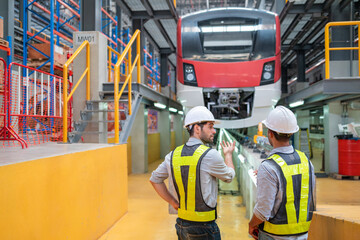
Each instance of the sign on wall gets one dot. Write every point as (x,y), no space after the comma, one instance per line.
(80,37)
(152,121)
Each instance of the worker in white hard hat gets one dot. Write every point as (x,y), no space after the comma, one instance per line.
(193,169)
(285,184)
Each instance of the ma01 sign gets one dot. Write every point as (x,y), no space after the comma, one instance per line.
(81,37)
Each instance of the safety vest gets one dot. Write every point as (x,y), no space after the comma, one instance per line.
(295,212)
(185,166)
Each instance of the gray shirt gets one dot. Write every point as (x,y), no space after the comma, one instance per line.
(269,191)
(212,167)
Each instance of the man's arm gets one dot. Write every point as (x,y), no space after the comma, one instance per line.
(265,199)
(163,192)
(254,226)
(228,149)
(219,167)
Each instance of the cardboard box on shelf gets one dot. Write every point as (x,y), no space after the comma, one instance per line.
(4,43)
(60,53)
(1,27)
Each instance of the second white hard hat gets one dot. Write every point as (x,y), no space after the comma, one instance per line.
(281,120)
(198,114)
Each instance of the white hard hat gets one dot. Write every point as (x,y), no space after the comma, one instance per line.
(281,120)
(198,114)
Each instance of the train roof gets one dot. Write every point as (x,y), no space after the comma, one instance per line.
(252,10)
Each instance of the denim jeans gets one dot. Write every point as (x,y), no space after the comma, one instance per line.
(187,230)
(264,236)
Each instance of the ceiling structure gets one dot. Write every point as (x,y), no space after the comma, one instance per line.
(302,23)
(160,17)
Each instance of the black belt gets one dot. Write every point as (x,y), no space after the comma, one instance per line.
(195,223)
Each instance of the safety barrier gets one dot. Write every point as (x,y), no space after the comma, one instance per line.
(67,97)
(128,80)
(32,109)
(327,44)
(152,83)
(245,162)
(113,56)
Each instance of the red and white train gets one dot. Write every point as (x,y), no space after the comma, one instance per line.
(228,59)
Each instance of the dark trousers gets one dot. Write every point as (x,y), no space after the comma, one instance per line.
(187,230)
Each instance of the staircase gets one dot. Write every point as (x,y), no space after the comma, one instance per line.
(304,142)
(96,123)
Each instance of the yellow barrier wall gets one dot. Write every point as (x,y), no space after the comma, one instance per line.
(112,140)
(73,196)
(172,144)
(129,155)
(153,147)
(335,222)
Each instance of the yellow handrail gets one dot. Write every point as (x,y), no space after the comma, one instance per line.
(110,51)
(130,69)
(66,98)
(327,44)
(156,84)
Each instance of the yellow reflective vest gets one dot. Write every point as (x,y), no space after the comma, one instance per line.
(185,166)
(295,212)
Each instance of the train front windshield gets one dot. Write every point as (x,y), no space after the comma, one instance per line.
(228,39)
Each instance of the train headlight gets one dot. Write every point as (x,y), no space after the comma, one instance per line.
(189,75)
(267,76)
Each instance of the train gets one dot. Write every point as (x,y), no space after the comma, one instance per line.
(229,60)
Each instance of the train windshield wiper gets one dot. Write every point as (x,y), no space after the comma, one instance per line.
(253,45)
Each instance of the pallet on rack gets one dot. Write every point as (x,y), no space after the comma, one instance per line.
(343,177)
(4,43)
(58,68)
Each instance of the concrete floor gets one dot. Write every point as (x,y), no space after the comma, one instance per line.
(148,216)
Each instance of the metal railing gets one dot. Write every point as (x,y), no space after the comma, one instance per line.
(86,72)
(327,44)
(111,66)
(128,80)
(152,83)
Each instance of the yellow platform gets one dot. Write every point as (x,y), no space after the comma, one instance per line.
(338,210)
(61,191)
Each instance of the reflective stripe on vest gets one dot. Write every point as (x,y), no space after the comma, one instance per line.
(293,226)
(186,209)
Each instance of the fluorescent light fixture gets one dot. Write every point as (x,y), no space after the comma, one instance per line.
(229,28)
(160,105)
(296,104)
(242,158)
(174,110)
(181,112)
(253,177)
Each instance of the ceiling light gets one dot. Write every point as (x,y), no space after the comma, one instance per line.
(160,105)
(181,112)
(296,104)
(174,110)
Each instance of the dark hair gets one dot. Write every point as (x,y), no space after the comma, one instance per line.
(190,128)
(281,137)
